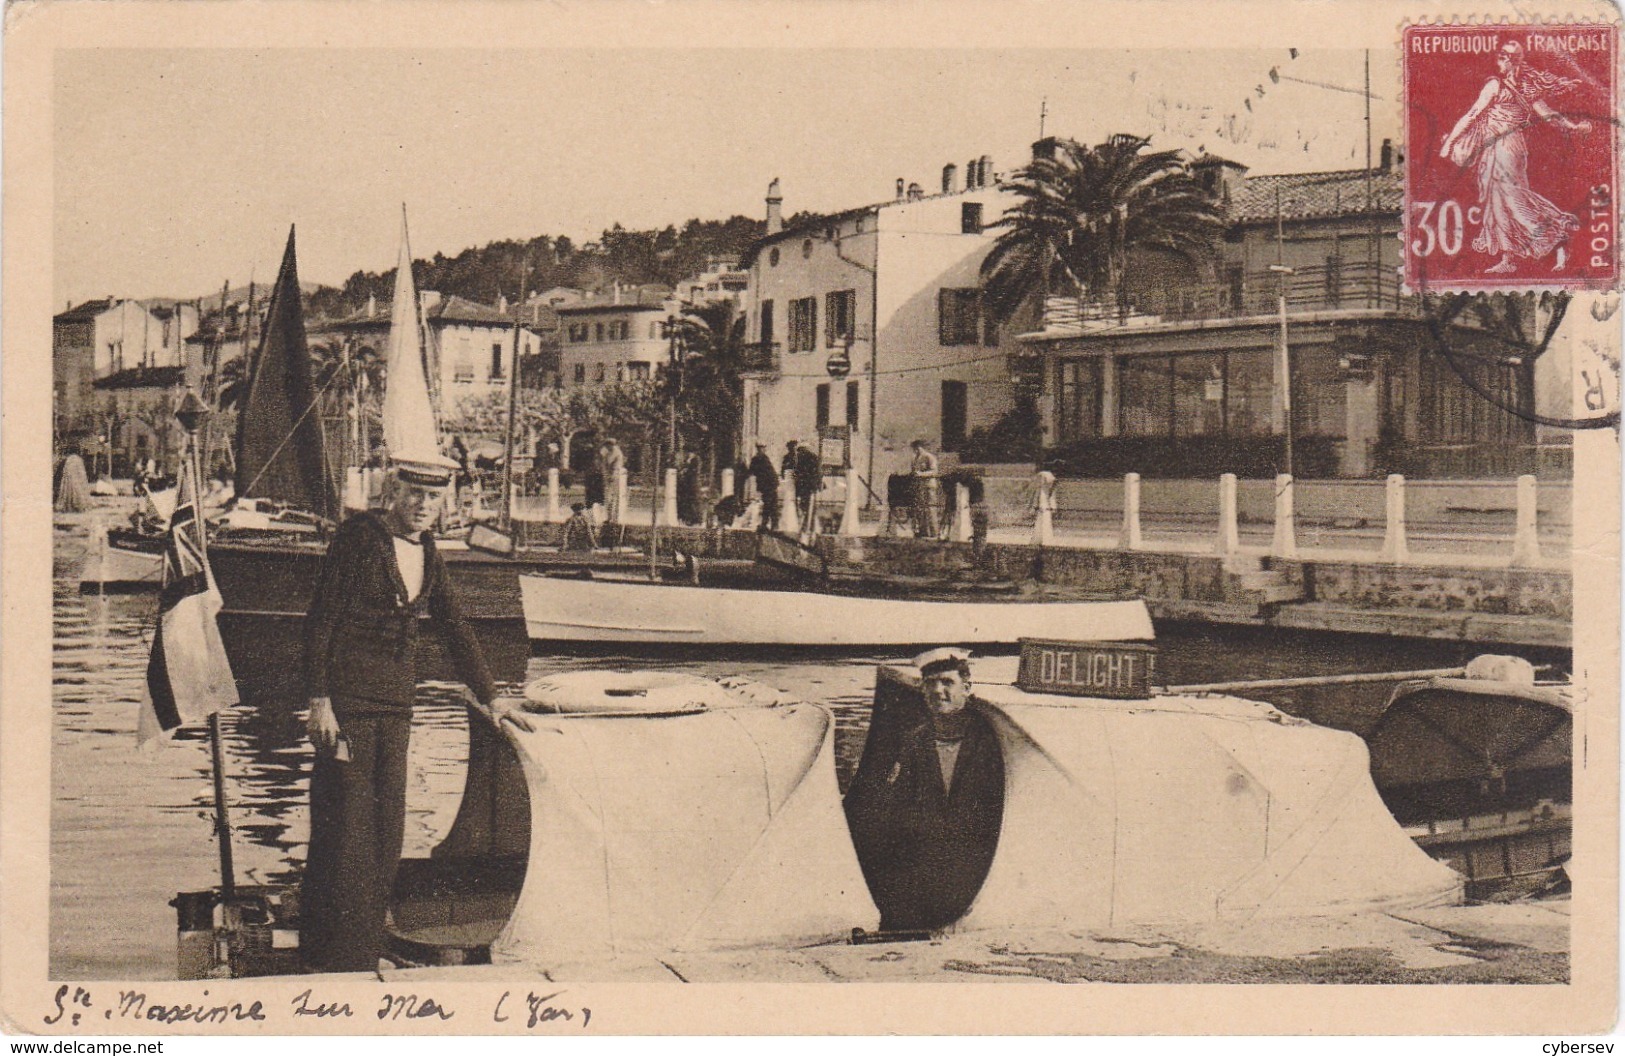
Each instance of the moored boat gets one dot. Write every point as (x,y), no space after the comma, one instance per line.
(1479,770)
(605,610)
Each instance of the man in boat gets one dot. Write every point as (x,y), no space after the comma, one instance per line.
(926,807)
(767,487)
(380,574)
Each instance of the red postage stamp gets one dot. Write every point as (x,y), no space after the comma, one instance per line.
(1512,173)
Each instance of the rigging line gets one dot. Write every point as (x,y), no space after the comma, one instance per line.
(296,423)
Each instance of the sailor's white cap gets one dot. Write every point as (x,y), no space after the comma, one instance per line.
(429,469)
(947,656)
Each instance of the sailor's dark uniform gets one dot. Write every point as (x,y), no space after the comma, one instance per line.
(925,849)
(360,643)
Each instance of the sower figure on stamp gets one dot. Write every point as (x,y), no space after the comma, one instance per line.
(380,575)
(1490,138)
(925,811)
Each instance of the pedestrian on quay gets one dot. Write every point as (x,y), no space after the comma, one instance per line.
(688,491)
(761,471)
(381,574)
(595,482)
(800,460)
(923,468)
(578,533)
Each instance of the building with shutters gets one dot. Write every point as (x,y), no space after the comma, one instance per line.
(891,288)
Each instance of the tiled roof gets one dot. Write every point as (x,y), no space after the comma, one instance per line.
(84,312)
(454,309)
(640,298)
(1307,195)
(142,377)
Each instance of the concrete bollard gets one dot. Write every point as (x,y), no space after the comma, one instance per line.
(621,492)
(668,512)
(727,483)
(789,519)
(849,512)
(1044,515)
(961,528)
(1525,543)
(553,495)
(1285,543)
(1229,541)
(1395,545)
(1130,538)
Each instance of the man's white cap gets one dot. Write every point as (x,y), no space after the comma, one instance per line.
(428,468)
(946,655)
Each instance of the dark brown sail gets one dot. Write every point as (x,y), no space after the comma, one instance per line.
(280,452)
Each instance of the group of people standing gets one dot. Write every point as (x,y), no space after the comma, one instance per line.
(798,460)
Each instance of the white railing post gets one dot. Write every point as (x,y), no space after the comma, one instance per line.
(789,520)
(1525,543)
(961,529)
(1285,543)
(668,512)
(1229,541)
(1129,538)
(727,482)
(621,495)
(849,512)
(1044,513)
(553,494)
(1395,544)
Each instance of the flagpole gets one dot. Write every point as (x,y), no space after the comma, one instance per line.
(192,414)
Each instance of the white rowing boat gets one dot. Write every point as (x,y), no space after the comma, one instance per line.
(599,610)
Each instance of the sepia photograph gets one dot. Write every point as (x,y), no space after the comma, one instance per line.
(532,500)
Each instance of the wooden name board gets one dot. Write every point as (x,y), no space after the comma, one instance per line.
(1120,670)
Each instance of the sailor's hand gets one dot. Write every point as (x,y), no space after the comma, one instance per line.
(323,725)
(500,712)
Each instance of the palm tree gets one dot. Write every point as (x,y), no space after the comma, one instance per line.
(713,391)
(1081,213)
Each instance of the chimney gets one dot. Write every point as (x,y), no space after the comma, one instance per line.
(950,178)
(1387,155)
(915,192)
(775,208)
(902,188)
(502,303)
(984,171)
(970,174)
(1044,149)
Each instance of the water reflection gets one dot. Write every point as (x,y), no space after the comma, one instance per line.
(130,829)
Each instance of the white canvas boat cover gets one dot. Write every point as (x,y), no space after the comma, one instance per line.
(1185,809)
(670,813)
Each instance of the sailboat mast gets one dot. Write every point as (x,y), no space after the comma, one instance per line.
(513,397)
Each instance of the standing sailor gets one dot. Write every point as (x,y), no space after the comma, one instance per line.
(380,575)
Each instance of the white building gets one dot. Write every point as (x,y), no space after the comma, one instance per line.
(893,288)
(100,338)
(722,280)
(614,336)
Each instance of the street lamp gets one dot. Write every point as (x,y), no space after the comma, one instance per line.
(1283,367)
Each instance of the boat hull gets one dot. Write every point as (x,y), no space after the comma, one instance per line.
(266,588)
(110,567)
(577,610)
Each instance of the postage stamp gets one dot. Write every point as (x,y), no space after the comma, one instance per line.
(1512,139)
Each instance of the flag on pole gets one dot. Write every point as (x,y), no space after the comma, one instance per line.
(188,675)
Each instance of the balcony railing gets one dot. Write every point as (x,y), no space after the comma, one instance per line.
(1318,288)
(761,357)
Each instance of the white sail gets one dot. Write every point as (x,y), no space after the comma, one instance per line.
(409,425)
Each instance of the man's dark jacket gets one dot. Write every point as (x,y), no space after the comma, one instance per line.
(767,478)
(925,851)
(361,630)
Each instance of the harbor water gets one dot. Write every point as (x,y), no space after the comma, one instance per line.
(129,829)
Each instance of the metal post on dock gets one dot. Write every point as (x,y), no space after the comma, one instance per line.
(1525,543)
(850,521)
(1229,541)
(1395,546)
(1285,543)
(1130,538)
(553,494)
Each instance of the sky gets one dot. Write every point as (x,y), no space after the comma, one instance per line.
(177,169)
